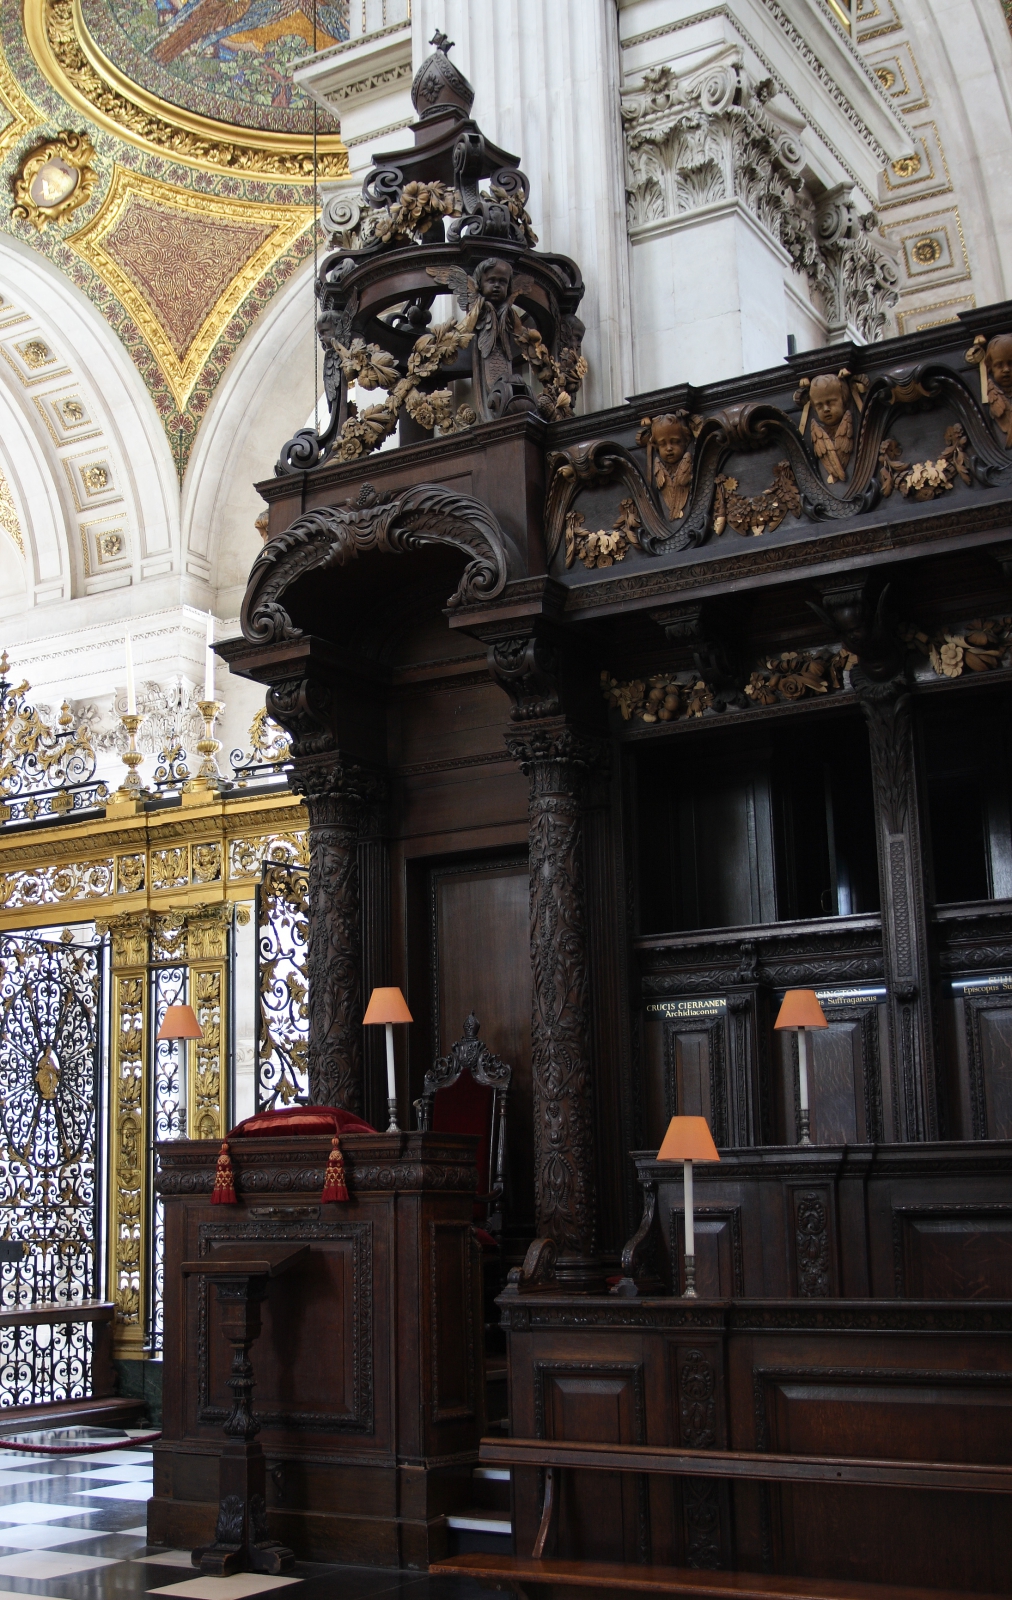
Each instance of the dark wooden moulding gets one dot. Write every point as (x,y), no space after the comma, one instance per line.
(369,1372)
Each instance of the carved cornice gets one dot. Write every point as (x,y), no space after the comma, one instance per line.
(373,1162)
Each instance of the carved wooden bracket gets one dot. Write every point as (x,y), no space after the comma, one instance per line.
(334,535)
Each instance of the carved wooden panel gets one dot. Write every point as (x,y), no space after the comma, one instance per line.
(697,1388)
(988,1020)
(844,1074)
(326,1302)
(694,1062)
(953,1252)
(602,1402)
(720,1272)
(452,1270)
(947,1415)
(812,1241)
(478,958)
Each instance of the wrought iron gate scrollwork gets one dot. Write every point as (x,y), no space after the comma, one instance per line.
(282,1061)
(50,1008)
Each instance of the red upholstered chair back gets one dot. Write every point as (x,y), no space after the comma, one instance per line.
(465,1092)
(467,1107)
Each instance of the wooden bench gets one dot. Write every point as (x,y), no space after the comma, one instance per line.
(542,1574)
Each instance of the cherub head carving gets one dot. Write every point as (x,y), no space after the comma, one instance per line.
(829,399)
(994,358)
(999,361)
(668,441)
(494,279)
(831,396)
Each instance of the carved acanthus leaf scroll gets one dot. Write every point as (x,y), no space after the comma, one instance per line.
(334,535)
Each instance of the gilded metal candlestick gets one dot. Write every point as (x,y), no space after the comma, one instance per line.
(132,757)
(690,1278)
(209,746)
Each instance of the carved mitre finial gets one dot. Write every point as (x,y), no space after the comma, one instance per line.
(439,86)
(472,1027)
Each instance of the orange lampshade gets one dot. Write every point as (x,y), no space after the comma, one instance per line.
(180,1023)
(801,1010)
(688,1139)
(387,1005)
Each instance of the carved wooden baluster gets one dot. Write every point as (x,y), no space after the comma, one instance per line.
(904,922)
(557,761)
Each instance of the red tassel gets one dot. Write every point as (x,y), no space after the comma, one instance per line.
(335,1186)
(224,1180)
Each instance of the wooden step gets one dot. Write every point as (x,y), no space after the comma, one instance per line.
(504,1572)
(114,1411)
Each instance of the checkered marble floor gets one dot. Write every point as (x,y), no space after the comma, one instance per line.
(73,1528)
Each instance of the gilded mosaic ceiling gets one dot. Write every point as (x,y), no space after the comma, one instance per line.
(159,154)
(229,60)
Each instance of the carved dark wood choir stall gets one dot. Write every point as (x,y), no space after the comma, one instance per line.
(613,727)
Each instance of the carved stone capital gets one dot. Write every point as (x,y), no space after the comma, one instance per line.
(857,271)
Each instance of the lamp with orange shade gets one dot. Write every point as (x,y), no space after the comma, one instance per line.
(388,1006)
(180,1023)
(688,1139)
(801,1010)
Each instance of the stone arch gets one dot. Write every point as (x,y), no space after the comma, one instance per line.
(84,451)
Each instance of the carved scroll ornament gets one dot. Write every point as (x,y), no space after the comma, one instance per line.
(393,524)
(677,509)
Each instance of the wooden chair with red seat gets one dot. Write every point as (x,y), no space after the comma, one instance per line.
(465,1092)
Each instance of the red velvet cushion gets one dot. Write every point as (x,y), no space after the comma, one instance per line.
(466,1107)
(308,1120)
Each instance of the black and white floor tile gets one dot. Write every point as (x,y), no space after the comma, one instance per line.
(72,1528)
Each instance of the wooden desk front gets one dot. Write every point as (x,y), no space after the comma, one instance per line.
(369,1369)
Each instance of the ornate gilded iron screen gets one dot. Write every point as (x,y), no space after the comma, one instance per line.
(49,1081)
(282,912)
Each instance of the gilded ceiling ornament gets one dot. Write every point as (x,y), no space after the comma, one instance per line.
(23,114)
(93,85)
(182,263)
(54,179)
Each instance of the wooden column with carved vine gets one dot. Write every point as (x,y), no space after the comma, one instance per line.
(129,1198)
(558,761)
(904,921)
(340,798)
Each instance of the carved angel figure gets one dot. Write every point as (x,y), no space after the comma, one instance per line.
(832,397)
(506,339)
(995,360)
(668,442)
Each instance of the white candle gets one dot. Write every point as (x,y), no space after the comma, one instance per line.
(209,660)
(391,1078)
(690,1232)
(802,1069)
(131,687)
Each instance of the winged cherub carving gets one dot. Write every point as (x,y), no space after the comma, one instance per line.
(995,360)
(507,339)
(832,396)
(668,441)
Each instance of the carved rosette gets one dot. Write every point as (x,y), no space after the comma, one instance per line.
(339,797)
(558,761)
